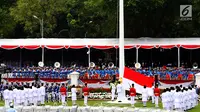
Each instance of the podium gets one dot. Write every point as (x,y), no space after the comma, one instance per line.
(74,78)
(197,79)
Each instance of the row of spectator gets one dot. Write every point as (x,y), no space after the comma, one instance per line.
(50,72)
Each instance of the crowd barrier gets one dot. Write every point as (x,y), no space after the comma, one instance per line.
(82,109)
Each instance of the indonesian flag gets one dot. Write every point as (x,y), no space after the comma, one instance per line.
(139,80)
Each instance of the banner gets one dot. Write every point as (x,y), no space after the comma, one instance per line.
(173,83)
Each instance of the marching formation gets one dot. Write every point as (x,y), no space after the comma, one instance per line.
(36,94)
(179,98)
(24,94)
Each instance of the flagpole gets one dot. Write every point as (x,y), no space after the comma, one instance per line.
(121,47)
(121,38)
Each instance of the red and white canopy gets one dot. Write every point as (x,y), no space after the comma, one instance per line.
(144,43)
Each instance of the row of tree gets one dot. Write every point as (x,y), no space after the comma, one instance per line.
(96,18)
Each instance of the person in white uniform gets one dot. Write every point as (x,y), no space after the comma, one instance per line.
(113,90)
(74,91)
(164,101)
(119,92)
(35,95)
(10,94)
(144,96)
(18,96)
(151,94)
(177,99)
(39,95)
(42,90)
(6,96)
(15,95)
(22,96)
(26,96)
(30,96)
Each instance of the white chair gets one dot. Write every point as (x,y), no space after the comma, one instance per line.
(131,110)
(74,109)
(66,109)
(2,109)
(53,109)
(96,109)
(118,109)
(47,108)
(108,109)
(60,108)
(39,109)
(19,108)
(84,109)
(27,109)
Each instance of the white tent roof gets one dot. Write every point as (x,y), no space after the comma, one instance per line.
(102,41)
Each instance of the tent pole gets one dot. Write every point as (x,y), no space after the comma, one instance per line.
(43,54)
(88,56)
(20,58)
(137,54)
(178,57)
(62,58)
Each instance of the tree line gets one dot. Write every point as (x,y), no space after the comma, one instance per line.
(97,18)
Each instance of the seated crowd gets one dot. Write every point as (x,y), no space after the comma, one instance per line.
(100,73)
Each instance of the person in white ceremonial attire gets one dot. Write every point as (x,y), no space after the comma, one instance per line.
(6,96)
(170,99)
(39,95)
(74,91)
(15,95)
(35,95)
(113,90)
(30,96)
(42,90)
(177,99)
(63,92)
(144,96)
(163,97)
(22,96)
(26,96)
(151,94)
(182,105)
(18,97)
(185,99)
(119,92)
(10,95)
(190,97)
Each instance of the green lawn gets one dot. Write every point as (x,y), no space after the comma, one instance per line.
(104,103)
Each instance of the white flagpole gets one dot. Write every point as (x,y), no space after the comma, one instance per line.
(121,38)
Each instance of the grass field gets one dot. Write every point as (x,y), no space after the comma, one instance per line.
(104,103)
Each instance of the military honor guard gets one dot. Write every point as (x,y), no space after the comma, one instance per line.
(74,91)
(144,96)
(132,95)
(119,91)
(43,93)
(63,92)
(156,94)
(6,96)
(85,93)
(113,90)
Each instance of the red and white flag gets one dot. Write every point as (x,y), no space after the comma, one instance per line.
(139,80)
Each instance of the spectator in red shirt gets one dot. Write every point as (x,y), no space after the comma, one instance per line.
(132,95)
(85,93)
(63,92)
(157,94)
